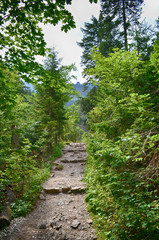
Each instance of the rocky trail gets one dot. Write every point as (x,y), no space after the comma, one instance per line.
(60,212)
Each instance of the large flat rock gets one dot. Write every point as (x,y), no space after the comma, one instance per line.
(62,184)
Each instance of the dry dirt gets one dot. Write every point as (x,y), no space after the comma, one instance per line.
(60,212)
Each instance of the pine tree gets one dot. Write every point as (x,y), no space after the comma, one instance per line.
(109,35)
(90,39)
(123,13)
(52,93)
(143,37)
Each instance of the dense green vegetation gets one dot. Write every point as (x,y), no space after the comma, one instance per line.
(33,128)
(123,123)
(122,172)
(32,125)
(121,61)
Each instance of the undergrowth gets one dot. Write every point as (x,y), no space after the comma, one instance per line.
(25,177)
(123,146)
(124,203)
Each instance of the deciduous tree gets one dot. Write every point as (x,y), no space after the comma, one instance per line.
(22,38)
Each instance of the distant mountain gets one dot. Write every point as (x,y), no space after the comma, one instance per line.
(82,89)
(79,87)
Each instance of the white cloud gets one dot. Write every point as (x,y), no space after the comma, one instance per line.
(82,10)
(151,10)
(66,43)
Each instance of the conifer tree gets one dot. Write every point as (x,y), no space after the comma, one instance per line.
(53,92)
(90,39)
(123,13)
(100,33)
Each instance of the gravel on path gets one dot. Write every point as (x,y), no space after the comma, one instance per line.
(60,213)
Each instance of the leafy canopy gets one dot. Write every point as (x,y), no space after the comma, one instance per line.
(21,38)
(122,167)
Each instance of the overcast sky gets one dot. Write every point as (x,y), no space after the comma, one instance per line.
(66,43)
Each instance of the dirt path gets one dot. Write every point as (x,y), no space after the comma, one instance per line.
(60,213)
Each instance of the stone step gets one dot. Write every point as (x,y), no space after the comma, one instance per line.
(50,190)
(57,190)
(72,160)
(73,150)
(63,184)
(77,189)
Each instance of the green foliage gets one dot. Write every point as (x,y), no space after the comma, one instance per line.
(19,208)
(118,26)
(2,196)
(100,33)
(26,180)
(155,59)
(124,203)
(73,127)
(34,185)
(90,39)
(59,167)
(31,131)
(19,168)
(143,36)
(53,92)
(123,14)
(31,125)
(57,151)
(122,167)
(21,34)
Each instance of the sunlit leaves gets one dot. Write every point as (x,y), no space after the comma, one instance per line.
(122,172)
(10,84)
(22,38)
(30,127)
(155,59)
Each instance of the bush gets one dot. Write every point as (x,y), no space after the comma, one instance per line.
(123,202)
(20,208)
(26,178)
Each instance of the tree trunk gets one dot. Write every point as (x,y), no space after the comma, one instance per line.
(125,26)
(15,137)
(137,43)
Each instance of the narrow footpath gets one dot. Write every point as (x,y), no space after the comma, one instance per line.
(60,212)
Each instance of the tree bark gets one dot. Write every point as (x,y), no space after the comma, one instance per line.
(125,26)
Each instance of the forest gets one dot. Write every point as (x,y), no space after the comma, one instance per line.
(121,64)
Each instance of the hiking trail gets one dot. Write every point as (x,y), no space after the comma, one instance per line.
(60,213)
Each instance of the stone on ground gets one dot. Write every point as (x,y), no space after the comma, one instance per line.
(60,213)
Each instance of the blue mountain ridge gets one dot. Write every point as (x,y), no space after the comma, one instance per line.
(79,87)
